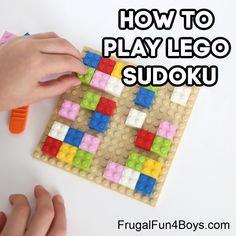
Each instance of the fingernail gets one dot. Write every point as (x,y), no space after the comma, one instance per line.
(38,189)
(59,198)
(11,198)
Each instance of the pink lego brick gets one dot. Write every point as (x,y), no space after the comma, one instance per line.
(89,143)
(69,110)
(99,80)
(113,172)
(6,37)
(166,130)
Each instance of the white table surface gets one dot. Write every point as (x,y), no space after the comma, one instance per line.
(201,183)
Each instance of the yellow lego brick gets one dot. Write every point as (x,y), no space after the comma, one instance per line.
(152,168)
(66,153)
(118,69)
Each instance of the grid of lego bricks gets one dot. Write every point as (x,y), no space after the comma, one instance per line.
(133,151)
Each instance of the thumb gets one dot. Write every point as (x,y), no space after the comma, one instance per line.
(58,86)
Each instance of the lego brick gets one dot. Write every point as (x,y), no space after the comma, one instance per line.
(69,110)
(129,178)
(89,143)
(74,137)
(58,131)
(145,185)
(90,101)
(161,146)
(144,97)
(66,153)
(152,168)
(99,122)
(144,139)
(118,69)
(135,161)
(86,79)
(114,86)
(117,142)
(106,106)
(51,146)
(152,88)
(113,172)
(99,80)
(83,160)
(106,65)
(181,95)
(92,59)
(166,130)
(135,118)
(6,37)
(18,119)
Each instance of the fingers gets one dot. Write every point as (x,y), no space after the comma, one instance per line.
(52,64)
(55,87)
(58,227)
(58,46)
(44,213)
(44,35)
(17,220)
(3,220)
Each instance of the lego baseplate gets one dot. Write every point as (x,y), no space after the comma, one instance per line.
(122,162)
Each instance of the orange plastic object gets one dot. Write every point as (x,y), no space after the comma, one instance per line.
(18,119)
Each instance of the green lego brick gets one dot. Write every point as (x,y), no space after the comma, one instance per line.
(161,146)
(135,161)
(82,160)
(85,79)
(90,101)
(152,88)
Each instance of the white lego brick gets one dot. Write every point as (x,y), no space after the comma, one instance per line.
(135,118)
(129,178)
(114,86)
(58,131)
(181,95)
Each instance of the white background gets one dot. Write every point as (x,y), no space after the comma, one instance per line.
(201,183)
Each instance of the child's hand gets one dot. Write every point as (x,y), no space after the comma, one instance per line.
(25,61)
(49,218)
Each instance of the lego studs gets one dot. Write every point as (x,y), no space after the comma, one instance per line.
(135,118)
(166,130)
(144,139)
(58,131)
(145,185)
(181,95)
(69,110)
(129,178)
(90,101)
(92,59)
(113,172)
(99,122)
(144,97)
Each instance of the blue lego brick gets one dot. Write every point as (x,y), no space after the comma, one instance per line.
(144,97)
(92,59)
(74,137)
(145,185)
(99,122)
(26,34)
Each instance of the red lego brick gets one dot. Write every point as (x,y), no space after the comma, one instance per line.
(51,146)
(106,106)
(106,65)
(144,139)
